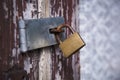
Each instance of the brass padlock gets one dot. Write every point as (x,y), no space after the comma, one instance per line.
(70,45)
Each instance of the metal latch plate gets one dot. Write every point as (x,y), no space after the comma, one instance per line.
(37,32)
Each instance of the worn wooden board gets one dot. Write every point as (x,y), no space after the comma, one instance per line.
(42,64)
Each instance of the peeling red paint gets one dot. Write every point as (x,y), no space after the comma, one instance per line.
(9,39)
(68,6)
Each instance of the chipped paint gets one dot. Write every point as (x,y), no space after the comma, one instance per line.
(13,52)
(45,54)
(71,66)
(48,63)
(29,9)
(44,65)
(27,65)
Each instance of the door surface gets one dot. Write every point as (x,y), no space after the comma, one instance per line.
(41,64)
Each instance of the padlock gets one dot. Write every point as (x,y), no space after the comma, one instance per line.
(70,45)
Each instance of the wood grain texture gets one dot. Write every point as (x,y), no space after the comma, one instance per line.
(41,64)
(66,69)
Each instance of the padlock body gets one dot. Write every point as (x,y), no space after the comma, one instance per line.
(70,45)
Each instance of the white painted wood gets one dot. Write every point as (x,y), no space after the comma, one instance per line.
(45,55)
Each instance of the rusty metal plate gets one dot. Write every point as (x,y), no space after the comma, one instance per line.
(37,32)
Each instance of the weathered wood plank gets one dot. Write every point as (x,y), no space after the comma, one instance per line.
(41,64)
(66,69)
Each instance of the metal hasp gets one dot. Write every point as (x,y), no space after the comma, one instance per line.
(35,33)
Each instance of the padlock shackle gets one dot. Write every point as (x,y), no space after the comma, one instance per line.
(60,27)
(65,25)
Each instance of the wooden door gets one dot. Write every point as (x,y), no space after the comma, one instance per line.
(41,64)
